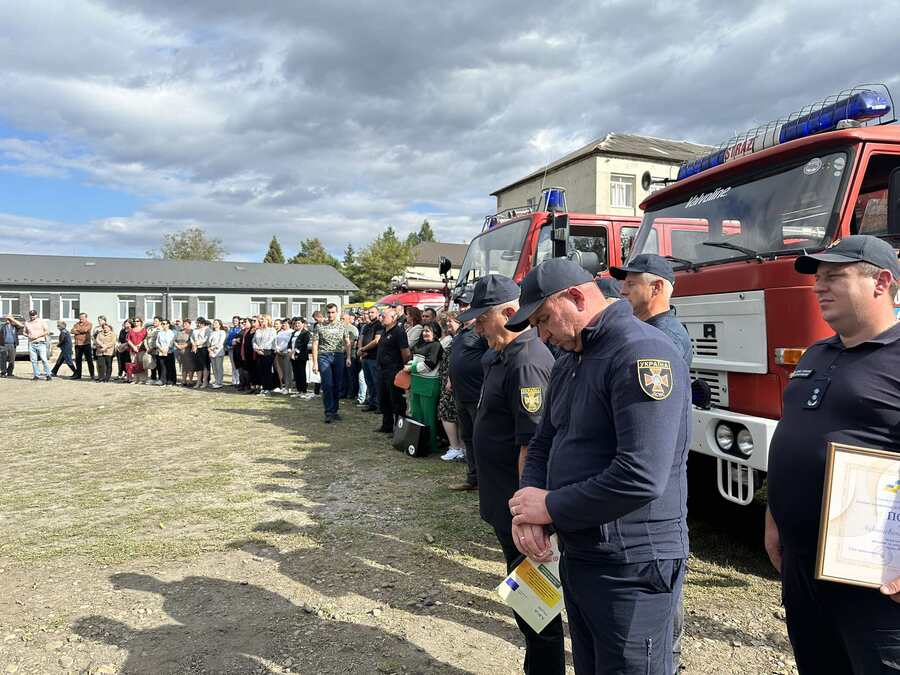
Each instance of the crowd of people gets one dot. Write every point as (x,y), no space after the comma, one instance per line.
(545,390)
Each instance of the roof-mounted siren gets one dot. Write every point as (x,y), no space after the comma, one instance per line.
(653,183)
(553,199)
(489,222)
(866,104)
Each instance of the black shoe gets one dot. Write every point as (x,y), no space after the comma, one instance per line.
(328,419)
(35,379)
(337,417)
(369,408)
(75,377)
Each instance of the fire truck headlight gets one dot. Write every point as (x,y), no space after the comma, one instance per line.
(724,437)
(745,442)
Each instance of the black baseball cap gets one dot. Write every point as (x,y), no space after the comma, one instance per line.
(490,291)
(550,277)
(611,288)
(853,249)
(646,262)
(463,294)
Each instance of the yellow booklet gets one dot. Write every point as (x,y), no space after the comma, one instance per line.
(534,591)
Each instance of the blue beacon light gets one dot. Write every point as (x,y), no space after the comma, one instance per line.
(553,198)
(862,106)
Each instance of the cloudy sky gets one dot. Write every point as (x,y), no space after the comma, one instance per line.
(125,119)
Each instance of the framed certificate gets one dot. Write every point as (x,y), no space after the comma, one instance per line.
(859,532)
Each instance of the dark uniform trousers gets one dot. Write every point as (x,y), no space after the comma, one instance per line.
(465,413)
(824,627)
(544,651)
(84,352)
(390,398)
(614,612)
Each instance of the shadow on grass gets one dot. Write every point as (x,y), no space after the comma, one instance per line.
(234,627)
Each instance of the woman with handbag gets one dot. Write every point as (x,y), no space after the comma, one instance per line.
(426,382)
(122,357)
(135,342)
(298,351)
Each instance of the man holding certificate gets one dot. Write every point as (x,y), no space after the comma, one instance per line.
(829,527)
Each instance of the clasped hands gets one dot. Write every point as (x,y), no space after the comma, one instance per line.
(528,507)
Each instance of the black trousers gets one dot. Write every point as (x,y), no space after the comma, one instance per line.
(104,368)
(390,398)
(465,414)
(837,628)
(299,368)
(545,651)
(265,364)
(121,359)
(165,369)
(65,356)
(7,359)
(84,352)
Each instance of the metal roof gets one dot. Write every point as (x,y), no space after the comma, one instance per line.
(98,272)
(623,145)
(430,252)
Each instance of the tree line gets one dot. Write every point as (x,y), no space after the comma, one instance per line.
(370,269)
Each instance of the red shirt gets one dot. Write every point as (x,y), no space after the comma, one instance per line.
(136,337)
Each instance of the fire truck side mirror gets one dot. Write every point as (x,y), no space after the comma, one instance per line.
(893,214)
(559,234)
(444,266)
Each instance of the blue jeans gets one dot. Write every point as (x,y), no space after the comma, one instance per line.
(331,369)
(37,351)
(370,372)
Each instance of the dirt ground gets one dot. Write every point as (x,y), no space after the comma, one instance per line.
(164,530)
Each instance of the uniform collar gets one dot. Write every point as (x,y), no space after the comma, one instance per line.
(889,336)
(615,313)
(669,312)
(518,344)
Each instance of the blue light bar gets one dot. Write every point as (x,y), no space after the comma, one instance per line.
(860,106)
(553,198)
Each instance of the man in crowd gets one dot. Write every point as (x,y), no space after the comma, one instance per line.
(368,340)
(82,337)
(64,344)
(466,376)
(9,341)
(36,331)
(618,421)
(350,382)
(845,389)
(393,353)
(429,315)
(330,356)
(516,370)
(647,283)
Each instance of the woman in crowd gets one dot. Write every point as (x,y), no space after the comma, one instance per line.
(264,346)
(413,326)
(136,337)
(426,385)
(200,348)
(239,378)
(446,402)
(165,354)
(232,351)
(298,352)
(104,348)
(217,353)
(282,357)
(248,356)
(122,348)
(184,353)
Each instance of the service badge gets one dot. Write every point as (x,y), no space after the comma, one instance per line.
(655,378)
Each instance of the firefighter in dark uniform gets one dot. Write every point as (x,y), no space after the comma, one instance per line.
(607,469)
(844,389)
(516,369)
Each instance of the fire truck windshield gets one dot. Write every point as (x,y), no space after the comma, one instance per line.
(787,210)
(496,251)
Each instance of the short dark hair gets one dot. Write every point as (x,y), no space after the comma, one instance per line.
(331,305)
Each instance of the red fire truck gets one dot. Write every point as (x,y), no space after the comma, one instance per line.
(744,213)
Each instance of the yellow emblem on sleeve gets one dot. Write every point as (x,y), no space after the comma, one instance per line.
(655,378)
(532,398)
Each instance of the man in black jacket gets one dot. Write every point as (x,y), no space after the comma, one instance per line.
(65,350)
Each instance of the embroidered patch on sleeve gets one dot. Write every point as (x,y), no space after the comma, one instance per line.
(655,378)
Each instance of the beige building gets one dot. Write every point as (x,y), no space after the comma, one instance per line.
(428,257)
(603,176)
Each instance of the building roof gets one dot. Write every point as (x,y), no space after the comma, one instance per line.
(623,145)
(79,271)
(430,252)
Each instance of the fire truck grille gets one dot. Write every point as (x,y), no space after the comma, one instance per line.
(705,346)
(718,385)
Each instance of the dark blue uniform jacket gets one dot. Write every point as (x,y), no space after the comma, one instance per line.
(612,444)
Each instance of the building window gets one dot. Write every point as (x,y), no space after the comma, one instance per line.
(298,308)
(317,304)
(206,307)
(531,203)
(69,307)
(9,305)
(621,191)
(279,308)
(41,303)
(179,309)
(127,307)
(153,307)
(257,306)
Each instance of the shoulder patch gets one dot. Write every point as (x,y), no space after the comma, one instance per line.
(532,398)
(655,378)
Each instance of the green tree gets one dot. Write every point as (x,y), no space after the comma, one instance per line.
(384,258)
(425,233)
(275,254)
(312,252)
(189,244)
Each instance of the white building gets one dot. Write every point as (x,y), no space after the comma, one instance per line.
(428,258)
(604,176)
(60,287)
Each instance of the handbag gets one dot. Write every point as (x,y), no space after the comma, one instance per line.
(411,437)
(403,380)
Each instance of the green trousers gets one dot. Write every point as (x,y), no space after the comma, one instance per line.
(423,401)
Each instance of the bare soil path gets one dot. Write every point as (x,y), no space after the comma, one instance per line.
(163,530)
